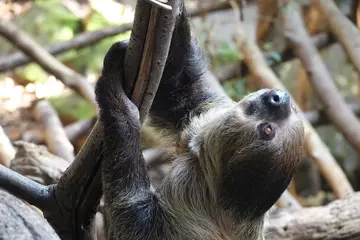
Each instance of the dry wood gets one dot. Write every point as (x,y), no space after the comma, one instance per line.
(303,95)
(316,149)
(319,117)
(338,220)
(86,39)
(79,129)
(342,28)
(81,40)
(35,162)
(314,21)
(288,201)
(321,41)
(267,10)
(7,151)
(73,131)
(19,221)
(55,136)
(213,8)
(35,51)
(320,78)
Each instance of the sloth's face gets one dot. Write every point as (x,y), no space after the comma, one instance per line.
(262,138)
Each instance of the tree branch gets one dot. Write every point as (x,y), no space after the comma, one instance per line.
(342,28)
(55,135)
(321,41)
(82,40)
(32,49)
(23,188)
(315,147)
(338,220)
(319,76)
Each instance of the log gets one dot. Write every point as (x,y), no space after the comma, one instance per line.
(19,221)
(339,219)
(35,162)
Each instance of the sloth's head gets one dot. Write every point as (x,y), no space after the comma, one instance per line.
(248,150)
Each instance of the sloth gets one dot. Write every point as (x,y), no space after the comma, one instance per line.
(233,159)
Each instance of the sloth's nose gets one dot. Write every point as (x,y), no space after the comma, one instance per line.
(277,103)
(276,98)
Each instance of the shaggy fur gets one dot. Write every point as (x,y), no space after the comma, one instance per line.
(227,173)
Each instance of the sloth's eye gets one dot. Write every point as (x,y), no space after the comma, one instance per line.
(266,131)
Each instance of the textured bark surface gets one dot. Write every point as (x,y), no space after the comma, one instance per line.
(36,163)
(337,220)
(19,222)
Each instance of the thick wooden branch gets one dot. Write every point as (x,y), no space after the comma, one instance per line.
(81,40)
(36,163)
(73,131)
(55,136)
(7,151)
(321,41)
(316,149)
(213,8)
(19,221)
(342,28)
(338,220)
(319,77)
(33,50)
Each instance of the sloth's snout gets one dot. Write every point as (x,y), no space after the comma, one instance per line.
(276,99)
(277,104)
(268,104)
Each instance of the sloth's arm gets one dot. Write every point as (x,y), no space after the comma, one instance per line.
(183,86)
(130,206)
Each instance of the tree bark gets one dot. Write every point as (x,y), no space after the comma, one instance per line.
(342,28)
(36,163)
(19,222)
(338,220)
